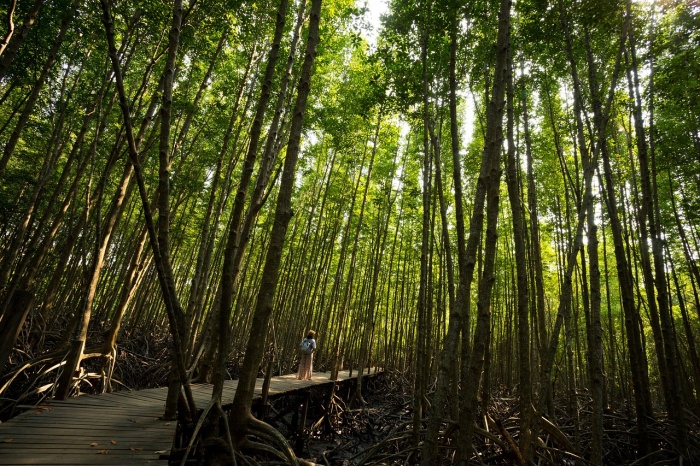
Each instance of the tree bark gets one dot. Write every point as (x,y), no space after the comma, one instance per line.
(523,311)
(164,271)
(228,272)
(649,213)
(489,179)
(240,418)
(10,29)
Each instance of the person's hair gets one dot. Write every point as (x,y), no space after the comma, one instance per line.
(311,334)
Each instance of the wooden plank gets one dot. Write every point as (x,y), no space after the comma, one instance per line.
(86,416)
(136,441)
(142,444)
(108,401)
(93,455)
(142,435)
(34,458)
(127,397)
(92,406)
(56,429)
(88,448)
(138,395)
(84,407)
(107,398)
(71,414)
(67,423)
(62,418)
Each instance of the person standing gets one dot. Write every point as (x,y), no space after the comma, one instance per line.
(306,365)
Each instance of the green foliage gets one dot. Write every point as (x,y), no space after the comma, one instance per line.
(366,100)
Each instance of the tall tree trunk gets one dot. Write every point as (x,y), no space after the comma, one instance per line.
(519,232)
(209,338)
(536,253)
(448,359)
(688,328)
(228,272)
(178,325)
(489,179)
(240,419)
(594,330)
(375,267)
(9,148)
(136,269)
(649,213)
(638,366)
(347,295)
(42,240)
(103,235)
(164,271)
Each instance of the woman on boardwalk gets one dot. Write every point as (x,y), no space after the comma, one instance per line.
(306,365)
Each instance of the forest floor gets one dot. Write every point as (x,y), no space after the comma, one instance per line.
(378,431)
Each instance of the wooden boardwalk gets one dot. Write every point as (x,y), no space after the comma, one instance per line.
(115,428)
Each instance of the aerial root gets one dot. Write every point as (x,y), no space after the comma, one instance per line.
(256,437)
(266,431)
(55,356)
(391,437)
(206,438)
(197,428)
(259,447)
(229,438)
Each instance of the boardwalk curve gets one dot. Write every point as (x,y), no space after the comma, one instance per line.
(115,428)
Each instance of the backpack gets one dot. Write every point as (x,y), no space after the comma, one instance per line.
(306,346)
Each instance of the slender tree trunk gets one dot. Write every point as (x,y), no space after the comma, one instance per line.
(240,419)
(649,213)
(421,371)
(347,298)
(640,376)
(228,273)
(611,325)
(594,329)
(136,269)
(489,180)
(375,267)
(635,344)
(30,264)
(10,26)
(519,231)
(688,328)
(9,49)
(163,201)
(209,339)
(164,271)
(103,235)
(36,88)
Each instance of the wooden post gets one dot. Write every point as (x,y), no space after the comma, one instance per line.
(304,409)
(265,406)
(304,412)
